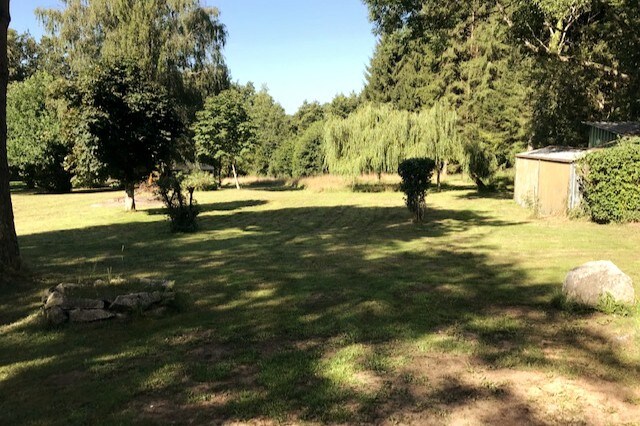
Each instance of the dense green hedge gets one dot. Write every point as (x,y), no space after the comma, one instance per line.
(611,180)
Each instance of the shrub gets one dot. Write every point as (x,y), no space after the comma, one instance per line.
(416,176)
(199,180)
(307,152)
(611,183)
(182,209)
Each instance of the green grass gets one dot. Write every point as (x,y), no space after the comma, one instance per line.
(311,307)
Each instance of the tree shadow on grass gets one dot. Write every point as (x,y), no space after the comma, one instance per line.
(330,314)
(215,207)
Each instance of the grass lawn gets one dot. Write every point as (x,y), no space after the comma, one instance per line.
(321,307)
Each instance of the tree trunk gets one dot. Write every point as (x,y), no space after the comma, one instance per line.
(438,172)
(9,250)
(235,175)
(130,197)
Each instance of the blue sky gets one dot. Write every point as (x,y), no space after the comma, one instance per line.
(301,49)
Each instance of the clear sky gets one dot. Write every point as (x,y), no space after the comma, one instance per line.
(301,49)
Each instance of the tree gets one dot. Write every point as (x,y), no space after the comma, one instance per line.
(307,159)
(371,140)
(9,250)
(130,122)
(272,128)
(35,146)
(435,135)
(23,52)
(223,130)
(176,43)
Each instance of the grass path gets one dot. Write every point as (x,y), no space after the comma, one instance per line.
(322,307)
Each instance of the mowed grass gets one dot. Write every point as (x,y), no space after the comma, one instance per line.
(323,307)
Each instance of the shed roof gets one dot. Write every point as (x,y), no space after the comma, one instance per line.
(556,154)
(623,128)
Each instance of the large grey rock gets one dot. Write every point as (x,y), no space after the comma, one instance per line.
(59,299)
(89,315)
(588,283)
(55,315)
(135,301)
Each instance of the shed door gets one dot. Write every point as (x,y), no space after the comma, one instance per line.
(553,187)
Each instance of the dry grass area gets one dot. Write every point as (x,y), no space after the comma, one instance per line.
(322,305)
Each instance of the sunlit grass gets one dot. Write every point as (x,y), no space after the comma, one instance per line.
(321,304)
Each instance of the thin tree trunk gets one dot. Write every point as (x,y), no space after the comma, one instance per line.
(235,174)
(9,250)
(130,197)
(438,172)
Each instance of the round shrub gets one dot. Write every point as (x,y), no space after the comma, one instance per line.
(416,176)
(199,180)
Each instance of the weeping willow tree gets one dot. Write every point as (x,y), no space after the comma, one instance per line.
(371,140)
(434,134)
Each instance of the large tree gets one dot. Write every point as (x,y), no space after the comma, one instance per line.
(9,251)
(518,72)
(36,149)
(130,124)
(177,43)
(223,130)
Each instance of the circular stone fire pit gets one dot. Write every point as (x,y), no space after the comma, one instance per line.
(84,302)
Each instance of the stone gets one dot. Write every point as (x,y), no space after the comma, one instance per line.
(589,283)
(55,299)
(59,299)
(135,301)
(46,294)
(55,315)
(89,315)
(62,288)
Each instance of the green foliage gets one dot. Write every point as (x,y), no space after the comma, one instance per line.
(22,53)
(223,129)
(281,162)
(370,140)
(182,209)
(176,43)
(611,182)
(517,73)
(416,176)
(342,106)
(199,180)
(307,114)
(272,127)
(434,134)
(127,122)
(35,146)
(307,159)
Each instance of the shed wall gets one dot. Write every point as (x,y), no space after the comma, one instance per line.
(543,184)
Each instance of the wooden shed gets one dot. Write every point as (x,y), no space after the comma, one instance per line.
(547,179)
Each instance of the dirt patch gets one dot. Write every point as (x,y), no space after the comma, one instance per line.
(456,390)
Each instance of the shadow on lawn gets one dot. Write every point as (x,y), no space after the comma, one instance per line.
(291,305)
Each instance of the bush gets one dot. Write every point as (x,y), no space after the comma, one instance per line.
(416,176)
(611,183)
(199,180)
(307,152)
(182,210)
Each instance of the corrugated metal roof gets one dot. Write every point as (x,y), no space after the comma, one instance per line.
(556,154)
(624,128)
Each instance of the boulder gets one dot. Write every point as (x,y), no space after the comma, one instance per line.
(135,301)
(55,298)
(89,315)
(58,299)
(587,284)
(55,315)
